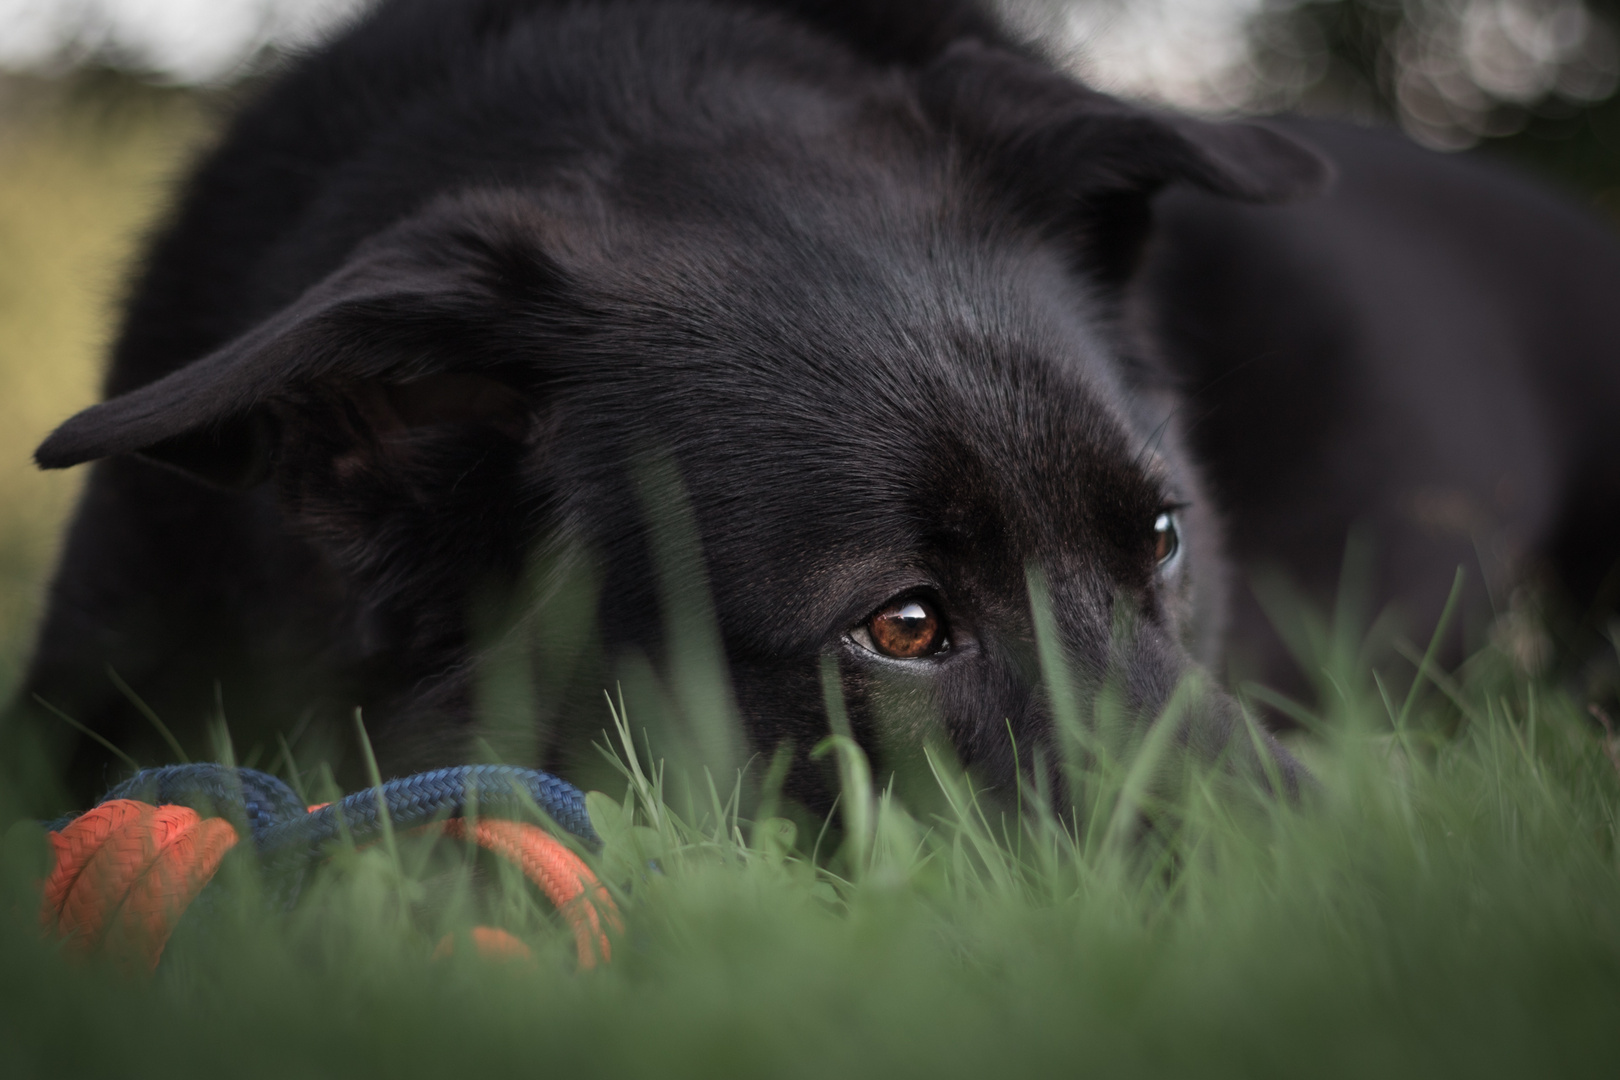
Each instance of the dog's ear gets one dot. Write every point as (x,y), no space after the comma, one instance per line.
(405,334)
(1069,155)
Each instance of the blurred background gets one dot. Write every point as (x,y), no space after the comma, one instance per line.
(103,101)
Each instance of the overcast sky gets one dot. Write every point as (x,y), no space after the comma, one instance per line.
(181,40)
(1168,48)
(1457,60)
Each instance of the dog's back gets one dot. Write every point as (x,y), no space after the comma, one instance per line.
(1429,354)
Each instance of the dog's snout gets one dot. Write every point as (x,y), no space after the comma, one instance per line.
(1089,668)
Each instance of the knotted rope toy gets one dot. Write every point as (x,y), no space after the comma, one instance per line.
(127,870)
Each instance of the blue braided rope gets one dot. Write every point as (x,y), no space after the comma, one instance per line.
(496,791)
(253,802)
(263,807)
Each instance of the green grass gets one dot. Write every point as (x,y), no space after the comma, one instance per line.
(1447,904)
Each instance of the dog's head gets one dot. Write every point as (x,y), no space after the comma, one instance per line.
(856,361)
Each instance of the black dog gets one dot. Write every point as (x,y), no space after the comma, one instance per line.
(483,322)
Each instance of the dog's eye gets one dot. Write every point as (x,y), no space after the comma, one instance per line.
(907,629)
(1166,538)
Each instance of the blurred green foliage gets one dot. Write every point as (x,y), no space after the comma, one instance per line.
(1447,904)
(1388,60)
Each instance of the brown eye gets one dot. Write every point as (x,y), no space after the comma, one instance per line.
(1166,538)
(906,630)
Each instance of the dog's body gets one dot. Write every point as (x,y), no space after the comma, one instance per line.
(450,300)
(1430,355)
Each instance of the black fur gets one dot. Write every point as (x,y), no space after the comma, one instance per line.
(473,311)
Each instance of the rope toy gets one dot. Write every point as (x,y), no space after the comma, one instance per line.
(127,870)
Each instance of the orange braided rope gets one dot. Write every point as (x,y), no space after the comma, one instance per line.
(125,872)
(491,942)
(74,847)
(567,882)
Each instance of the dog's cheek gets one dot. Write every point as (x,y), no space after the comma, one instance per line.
(780,707)
(900,716)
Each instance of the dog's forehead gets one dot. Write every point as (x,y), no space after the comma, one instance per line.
(879,310)
(857,378)
(870,289)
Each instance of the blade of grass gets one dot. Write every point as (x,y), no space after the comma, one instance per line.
(294,781)
(1143,767)
(385,821)
(854,773)
(81,729)
(1434,647)
(150,714)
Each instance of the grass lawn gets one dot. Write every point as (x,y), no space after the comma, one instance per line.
(1448,903)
